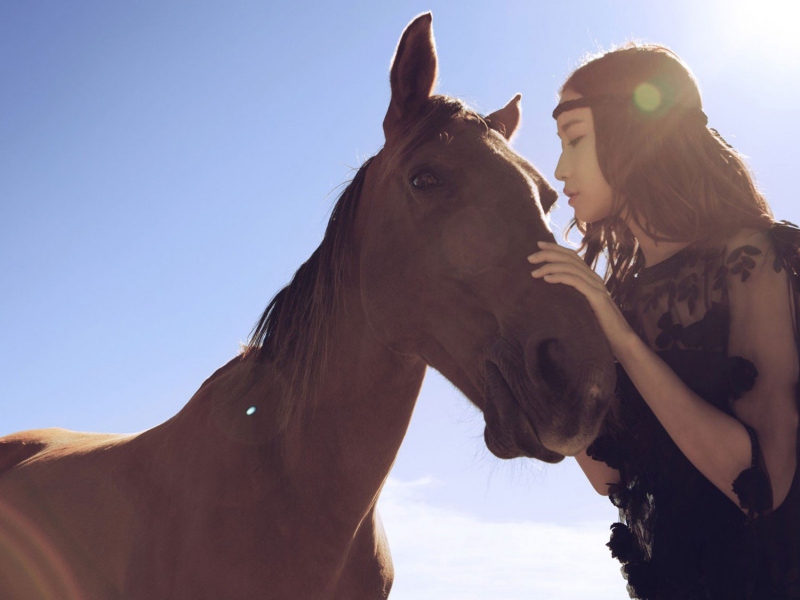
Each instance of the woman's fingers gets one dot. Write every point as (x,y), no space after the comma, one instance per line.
(562,265)
(549,246)
(555,253)
(568,273)
(551,257)
(571,279)
(555,262)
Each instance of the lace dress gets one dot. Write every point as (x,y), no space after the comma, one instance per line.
(679,537)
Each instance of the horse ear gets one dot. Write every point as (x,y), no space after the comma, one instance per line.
(506,120)
(413,72)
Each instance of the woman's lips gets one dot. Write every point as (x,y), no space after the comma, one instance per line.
(572,198)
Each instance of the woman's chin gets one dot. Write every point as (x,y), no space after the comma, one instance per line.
(590,217)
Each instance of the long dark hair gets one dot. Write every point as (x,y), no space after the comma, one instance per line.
(671,175)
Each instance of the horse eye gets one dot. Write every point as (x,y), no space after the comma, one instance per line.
(424,180)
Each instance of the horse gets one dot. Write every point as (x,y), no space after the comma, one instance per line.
(264,485)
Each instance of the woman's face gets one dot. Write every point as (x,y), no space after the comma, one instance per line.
(589,193)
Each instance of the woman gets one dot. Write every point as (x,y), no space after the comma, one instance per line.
(700,304)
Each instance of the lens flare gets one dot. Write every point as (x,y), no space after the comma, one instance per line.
(250,411)
(647,97)
(37,568)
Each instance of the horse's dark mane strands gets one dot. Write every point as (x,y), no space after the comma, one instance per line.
(292,332)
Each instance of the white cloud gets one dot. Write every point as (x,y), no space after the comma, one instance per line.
(444,554)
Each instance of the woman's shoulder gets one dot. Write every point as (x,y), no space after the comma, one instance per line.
(721,258)
(744,252)
(746,236)
(776,247)
(781,232)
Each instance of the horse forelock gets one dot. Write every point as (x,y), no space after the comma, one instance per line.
(432,119)
(293,333)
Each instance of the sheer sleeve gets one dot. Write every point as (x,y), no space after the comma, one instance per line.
(762,331)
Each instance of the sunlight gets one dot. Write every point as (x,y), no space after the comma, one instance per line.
(768,28)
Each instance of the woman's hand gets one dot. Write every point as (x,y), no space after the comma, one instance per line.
(563,265)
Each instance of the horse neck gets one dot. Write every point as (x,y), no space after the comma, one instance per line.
(367,393)
(348,440)
(333,456)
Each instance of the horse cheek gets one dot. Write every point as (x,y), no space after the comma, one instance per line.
(391,292)
(470,245)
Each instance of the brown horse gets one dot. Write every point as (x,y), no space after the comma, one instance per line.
(265,484)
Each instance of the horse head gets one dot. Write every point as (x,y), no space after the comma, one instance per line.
(449,214)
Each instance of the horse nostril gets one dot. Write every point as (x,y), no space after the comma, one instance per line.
(549,356)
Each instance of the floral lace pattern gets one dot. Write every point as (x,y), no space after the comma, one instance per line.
(678,535)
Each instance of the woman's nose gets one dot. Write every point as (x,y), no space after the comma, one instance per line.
(561,169)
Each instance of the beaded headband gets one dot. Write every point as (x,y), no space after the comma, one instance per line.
(588,101)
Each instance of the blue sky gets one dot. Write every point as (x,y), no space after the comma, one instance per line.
(166,166)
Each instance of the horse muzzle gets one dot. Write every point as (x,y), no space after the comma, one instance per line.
(542,403)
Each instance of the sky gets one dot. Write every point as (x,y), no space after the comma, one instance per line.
(165,167)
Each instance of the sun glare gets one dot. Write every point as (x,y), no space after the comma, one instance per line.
(769,27)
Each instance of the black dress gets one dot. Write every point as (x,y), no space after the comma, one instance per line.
(680,537)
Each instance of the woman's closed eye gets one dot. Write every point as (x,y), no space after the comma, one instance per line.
(574,142)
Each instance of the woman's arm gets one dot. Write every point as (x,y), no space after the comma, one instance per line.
(599,474)
(717,444)
(762,329)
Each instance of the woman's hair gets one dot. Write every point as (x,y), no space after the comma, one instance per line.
(674,177)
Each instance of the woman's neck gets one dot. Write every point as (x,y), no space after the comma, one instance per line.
(654,251)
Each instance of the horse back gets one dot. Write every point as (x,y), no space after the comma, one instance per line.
(17,448)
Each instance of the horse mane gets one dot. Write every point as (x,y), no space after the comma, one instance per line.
(293,333)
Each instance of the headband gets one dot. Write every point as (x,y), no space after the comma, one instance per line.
(589,101)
